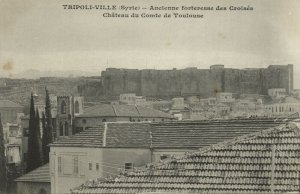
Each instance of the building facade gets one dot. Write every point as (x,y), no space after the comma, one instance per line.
(98,152)
(282,107)
(9,111)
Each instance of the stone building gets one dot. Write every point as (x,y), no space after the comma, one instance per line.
(283,107)
(133,99)
(193,81)
(277,93)
(224,97)
(68,107)
(9,111)
(263,162)
(40,105)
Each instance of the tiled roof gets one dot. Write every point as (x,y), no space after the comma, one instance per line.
(41,174)
(128,135)
(92,137)
(108,110)
(262,162)
(191,134)
(199,134)
(125,134)
(9,104)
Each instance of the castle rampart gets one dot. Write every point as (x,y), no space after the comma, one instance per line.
(193,81)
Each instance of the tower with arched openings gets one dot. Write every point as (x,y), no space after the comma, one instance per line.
(67,108)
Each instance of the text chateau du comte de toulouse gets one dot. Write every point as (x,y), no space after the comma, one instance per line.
(125,14)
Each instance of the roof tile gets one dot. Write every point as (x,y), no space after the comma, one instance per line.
(41,174)
(261,162)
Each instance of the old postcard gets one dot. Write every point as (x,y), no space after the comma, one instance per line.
(149,96)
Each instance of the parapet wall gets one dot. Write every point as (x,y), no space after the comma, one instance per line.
(193,81)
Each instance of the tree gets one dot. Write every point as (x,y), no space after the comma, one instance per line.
(34,145)
(45,152)
(3,171)
(48,133)
(31,132)
(38,141)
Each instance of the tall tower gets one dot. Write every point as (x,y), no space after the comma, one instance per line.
(67,108)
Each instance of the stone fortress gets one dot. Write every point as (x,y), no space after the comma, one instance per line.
(193,81)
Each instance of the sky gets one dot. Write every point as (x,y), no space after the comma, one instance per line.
(41,35)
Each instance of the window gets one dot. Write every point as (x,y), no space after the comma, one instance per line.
(61,129)
(90,166)
(25,132)
(75,164)
(97,166)
(83,121)
(128,166)
(66,129)
(59,165)
(63,107)
(76,107)
(103,120)
(163,157)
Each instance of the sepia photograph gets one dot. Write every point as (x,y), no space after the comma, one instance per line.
(149,97)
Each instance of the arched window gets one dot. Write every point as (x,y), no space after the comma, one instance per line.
(61,129)
(103,120)
(63,107)
(76,107)
(66,129)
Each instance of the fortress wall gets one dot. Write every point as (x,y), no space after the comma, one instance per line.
(216,83)
(251,81)
(149,82)
(169,83)
(132,81)
(193,81)
(278,76)
(232,80)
